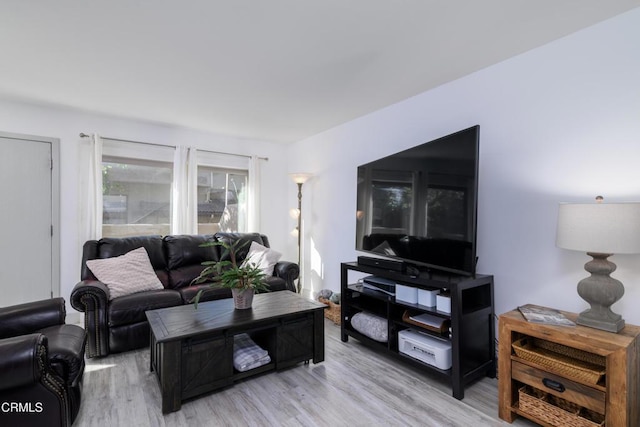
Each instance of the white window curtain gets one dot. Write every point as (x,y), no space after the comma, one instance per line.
(94,191)
(253,214)
(184,215)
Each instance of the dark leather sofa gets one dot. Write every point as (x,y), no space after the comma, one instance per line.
(120,324)
(41,365)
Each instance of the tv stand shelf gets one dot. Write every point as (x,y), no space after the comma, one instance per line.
(471,332)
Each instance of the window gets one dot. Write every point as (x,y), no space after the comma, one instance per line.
(136,197)
(146,188)
(222,199)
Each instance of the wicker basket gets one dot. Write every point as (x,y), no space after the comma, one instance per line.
(333,312)
(566,361)
(574,353)
(555,411)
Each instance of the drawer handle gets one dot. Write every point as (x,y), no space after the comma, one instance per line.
(553,385)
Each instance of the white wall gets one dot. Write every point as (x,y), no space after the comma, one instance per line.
(66,124)
(559,123)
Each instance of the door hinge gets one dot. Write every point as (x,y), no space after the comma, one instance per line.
(52,230)
(51,163)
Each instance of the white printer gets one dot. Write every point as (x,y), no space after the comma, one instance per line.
(425,348)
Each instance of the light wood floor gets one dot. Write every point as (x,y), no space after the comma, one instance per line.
(354,386)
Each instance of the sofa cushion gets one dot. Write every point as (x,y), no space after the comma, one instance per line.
(131,308)
(184,250)
(126,274)
(185,256)
(213,293)
(262,257)
(109,247)
(276,283)
(183,276)
(209,294)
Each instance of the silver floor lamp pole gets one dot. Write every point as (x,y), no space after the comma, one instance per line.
(299,179)
(299,236)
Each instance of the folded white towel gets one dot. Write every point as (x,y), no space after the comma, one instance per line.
(255,364)
(247,354)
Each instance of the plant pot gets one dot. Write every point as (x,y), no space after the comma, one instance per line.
(242,298)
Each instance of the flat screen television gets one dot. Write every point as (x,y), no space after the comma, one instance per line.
(420,205)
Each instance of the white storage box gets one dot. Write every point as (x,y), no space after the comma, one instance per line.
(406,294)
(427,297)
(443,303)
(425,348)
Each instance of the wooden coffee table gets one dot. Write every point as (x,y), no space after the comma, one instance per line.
(192,350)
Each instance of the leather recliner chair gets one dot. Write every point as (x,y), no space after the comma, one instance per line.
(41,365)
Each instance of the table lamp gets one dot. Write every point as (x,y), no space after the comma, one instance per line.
(600,230)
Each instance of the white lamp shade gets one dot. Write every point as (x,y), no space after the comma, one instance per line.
(606,228)
(299,177)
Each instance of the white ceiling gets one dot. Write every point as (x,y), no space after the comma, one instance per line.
(278,70)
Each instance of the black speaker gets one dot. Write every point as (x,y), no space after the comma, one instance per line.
(386,264)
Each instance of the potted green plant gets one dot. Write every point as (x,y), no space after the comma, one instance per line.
(243,279)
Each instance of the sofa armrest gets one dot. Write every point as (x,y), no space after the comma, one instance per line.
(26,376)
(92,298)
(95,288)
(22,360)
(30,317)
(289,271)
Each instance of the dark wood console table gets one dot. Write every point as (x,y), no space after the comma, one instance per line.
(192,350)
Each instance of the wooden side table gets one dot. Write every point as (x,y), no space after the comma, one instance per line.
(616,396)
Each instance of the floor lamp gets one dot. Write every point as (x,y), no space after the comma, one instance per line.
(299,179)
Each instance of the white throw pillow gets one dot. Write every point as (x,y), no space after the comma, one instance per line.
(262,257)
(126,274)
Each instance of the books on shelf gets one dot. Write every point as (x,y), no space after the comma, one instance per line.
(428,320)
(548,316)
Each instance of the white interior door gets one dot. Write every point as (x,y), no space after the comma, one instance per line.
(28,259)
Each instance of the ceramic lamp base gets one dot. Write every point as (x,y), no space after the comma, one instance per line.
(601,291)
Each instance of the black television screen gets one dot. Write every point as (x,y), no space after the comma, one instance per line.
(419,205)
